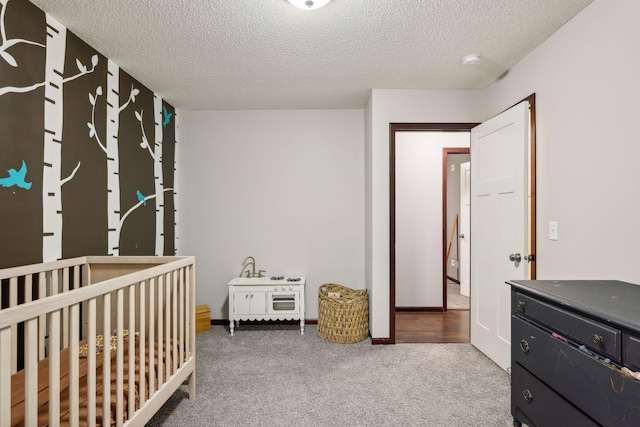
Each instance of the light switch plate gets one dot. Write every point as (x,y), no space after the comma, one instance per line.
(553,230)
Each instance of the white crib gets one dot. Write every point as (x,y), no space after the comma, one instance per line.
(52,317)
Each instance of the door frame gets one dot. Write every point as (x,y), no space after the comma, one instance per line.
(446,151)
(454,127)
(393,129)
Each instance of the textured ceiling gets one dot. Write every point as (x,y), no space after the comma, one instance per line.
(267,54)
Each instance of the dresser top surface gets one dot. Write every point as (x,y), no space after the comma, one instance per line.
(610,300)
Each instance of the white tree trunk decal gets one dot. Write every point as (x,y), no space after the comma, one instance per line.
(111,148)
(156,154)
(113,162)
(158,176)
(52,180)
(51,197)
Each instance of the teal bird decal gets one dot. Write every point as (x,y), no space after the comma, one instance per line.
(16,178)
(167,116)
(141,198)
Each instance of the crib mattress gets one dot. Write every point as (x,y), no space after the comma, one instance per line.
(18,386)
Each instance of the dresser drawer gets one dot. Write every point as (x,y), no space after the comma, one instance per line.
(595,335)
(540,405)
(596,388)
(632,352)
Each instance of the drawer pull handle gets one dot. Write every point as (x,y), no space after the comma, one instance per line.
(598,339)
(521,305)
(524,346)
(527,395)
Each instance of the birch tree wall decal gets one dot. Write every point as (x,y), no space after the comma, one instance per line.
(111,149)
(53,137)
(92,125)
(161,122)
(142,202)
(53,140)
(52,36)
(156,154)
(6,43)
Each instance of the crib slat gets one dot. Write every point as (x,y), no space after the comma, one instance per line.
(181,306)
(13,301)
(31,372)
(174,320)
(191,280)
(187,344)
(152,337)
(167,320)
(65,311)
(141,347)
(160,331)
(54,368)
(132,350)
(106,358)
(74,371)
(42,324)
(28,288)
(76,277)
(91,363)
(119,357)
(54,282)
(5,377)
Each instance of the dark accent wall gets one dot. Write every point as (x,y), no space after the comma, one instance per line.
(21,118)
(168,172)
(69,187)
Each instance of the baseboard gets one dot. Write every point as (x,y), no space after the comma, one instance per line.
(453,280)
(225,322)
(381,341)
(421,309)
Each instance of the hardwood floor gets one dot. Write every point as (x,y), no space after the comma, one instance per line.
(429,327)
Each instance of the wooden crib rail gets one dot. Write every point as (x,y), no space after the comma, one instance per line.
(157,304)
(24,284)
(23,270)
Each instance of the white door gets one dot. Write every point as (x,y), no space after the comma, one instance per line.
(499,226)
(464,227)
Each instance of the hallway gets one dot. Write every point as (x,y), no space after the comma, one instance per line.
(451,326)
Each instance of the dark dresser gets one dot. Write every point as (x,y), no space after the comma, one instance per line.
(570,340)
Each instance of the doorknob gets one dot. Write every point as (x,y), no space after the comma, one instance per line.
(515,257)
(461,236)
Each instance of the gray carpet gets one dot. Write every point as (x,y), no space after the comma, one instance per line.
(270,375)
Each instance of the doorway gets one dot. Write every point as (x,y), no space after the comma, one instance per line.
(420,304)
(456,213)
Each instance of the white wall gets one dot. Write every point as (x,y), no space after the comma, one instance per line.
(418,203)
(400,106)
(587,83)
(286,187)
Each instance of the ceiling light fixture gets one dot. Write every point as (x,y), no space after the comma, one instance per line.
(473,59)
(309,4)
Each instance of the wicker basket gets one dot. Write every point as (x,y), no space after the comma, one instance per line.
(343,320)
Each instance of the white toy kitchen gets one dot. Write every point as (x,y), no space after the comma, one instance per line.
(266,298)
